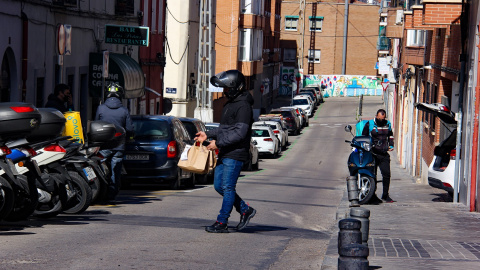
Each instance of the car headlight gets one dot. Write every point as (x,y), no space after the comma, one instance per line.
(308,108)
(366,146)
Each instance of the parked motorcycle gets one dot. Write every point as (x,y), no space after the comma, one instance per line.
(361,163)
(17,120)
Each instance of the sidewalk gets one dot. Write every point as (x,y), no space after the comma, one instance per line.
(423,229)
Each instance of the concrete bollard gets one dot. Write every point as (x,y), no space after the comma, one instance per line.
(353,257)
(349,232)
(362,214)
(352,189)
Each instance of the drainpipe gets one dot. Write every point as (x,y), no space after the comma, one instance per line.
(24,55)
(475,142)
(463,62)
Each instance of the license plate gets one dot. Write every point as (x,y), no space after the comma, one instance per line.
(89,173)
(137,157)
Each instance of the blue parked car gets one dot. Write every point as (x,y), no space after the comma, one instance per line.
(153,154)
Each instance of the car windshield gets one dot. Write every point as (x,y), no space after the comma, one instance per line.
(307,93)
(300,102)
(191,129)
(154,129)
(260,133)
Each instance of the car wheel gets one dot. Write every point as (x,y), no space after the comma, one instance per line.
(248,164)
(255,166)
(190,182)
(176,182)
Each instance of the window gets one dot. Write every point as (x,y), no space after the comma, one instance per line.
(289,55)
(416,37)
(291,23)
(250,45)
(124,7)
(252,7)
(314,56)
(316,23)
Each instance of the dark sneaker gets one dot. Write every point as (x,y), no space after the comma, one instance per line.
(374,200)
(387,199)
(217,227)
(245,218)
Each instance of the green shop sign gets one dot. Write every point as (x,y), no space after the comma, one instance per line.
(126,34)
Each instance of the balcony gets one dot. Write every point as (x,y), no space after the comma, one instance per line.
(383,44)
(414,55)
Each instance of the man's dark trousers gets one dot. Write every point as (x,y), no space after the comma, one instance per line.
(383,162)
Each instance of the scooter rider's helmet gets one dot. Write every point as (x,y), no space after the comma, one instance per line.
(232,81)
(114,90)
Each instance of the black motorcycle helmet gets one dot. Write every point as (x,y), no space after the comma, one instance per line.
(232,80)
(114,90)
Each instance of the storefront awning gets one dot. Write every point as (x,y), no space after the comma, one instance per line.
(122,69)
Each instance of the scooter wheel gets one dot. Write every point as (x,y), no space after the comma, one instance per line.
(83,194)
(6,197)
(366,189)
(26,200)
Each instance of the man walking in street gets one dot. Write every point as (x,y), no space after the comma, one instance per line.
(381,132)
(61,96)
(114,112)
(232,138)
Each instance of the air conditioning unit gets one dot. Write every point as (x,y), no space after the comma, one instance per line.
(399,17)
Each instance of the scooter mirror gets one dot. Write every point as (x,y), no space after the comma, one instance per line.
(348,128)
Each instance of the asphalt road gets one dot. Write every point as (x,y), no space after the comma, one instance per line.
(296,197)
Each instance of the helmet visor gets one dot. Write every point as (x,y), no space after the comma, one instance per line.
(222,79)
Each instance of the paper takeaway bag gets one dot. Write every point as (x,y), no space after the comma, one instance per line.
(197,159)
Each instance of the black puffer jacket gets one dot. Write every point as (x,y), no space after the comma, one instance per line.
(54,102)
(235,131)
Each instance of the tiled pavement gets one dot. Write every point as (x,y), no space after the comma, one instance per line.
(423,229)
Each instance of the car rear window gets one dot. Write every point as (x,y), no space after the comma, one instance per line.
(284,113)
(191,129)
(155,129)
(300,102)
(260,133)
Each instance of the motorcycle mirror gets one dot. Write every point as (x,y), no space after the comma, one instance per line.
(348,128)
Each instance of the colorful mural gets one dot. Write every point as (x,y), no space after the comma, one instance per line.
(287,78)
(347,85)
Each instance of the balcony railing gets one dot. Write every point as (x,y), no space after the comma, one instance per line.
(383,43)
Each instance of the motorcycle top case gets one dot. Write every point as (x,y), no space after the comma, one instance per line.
(101,132)
(118,139)
(18,119)
(52,126)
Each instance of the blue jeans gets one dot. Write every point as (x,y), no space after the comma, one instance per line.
(115,158)
(225,181)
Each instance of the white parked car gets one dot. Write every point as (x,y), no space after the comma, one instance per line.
(305,103)
(252,163)
(441,172)
(277,130)
(265,140)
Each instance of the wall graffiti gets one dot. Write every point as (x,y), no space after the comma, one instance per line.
(287,78)
(346,85)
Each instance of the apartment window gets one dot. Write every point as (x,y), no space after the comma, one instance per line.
(314,56)
(66,3)
(416,37)
(252,7)
(289,55)
(250,45)
(124,7)
(316,23)
(291,23)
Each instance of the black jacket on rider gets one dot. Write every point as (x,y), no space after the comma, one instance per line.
(114,112)
(234,134)
(382,136)
(55,102)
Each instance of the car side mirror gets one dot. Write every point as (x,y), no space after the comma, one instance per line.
(348,128)
(254,142)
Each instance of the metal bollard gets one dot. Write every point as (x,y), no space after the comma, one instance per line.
(352,189)
(360,105)
(349,232)
(353,257)
(362,214)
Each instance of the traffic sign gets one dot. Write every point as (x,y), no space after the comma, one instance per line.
(385,85)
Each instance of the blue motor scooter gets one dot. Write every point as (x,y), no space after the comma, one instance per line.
(361,163)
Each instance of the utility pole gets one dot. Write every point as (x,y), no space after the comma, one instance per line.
(345,33)
(204,110)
